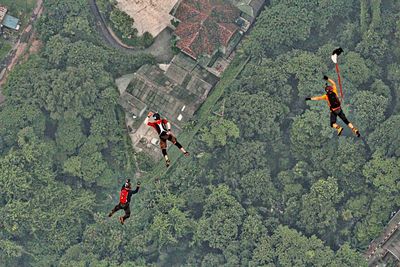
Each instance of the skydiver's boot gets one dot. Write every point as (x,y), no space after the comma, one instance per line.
(339,131)
(121,220)
(183,151)
(167,161)
(338,128)
(354,130)
(110,214)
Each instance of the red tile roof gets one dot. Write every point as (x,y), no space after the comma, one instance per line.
(205,25)
(3,11)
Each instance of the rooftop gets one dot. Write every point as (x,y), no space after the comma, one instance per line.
(249,7)
(176,94)
(205,25)
(11,22)
(149,15)
(3,11)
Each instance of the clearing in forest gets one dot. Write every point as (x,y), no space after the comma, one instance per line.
(149,15)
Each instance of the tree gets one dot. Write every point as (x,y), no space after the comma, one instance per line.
(170,223)
(386,138)
(69,136)
(373,46)
(257,186)
(219,131)
(255,114)
(318,212)
(263,255)
(384,174)
(362,103)
(123,23)
(294,249)
(268,36)
(356,69)
(308,133)
(346,256)
(221,219)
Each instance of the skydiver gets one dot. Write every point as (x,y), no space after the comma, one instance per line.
(332,98)
(124,200)
(163,128)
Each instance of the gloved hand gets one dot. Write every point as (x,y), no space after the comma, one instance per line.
(325,77)
(308,98)
(138,183)
(150,114)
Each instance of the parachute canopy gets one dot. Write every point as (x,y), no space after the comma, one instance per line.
(335,54)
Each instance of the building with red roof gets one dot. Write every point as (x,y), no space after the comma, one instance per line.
(206,27)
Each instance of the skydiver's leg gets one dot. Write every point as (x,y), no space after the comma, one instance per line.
(127,212)
(344,119)
(163,146)
(172,138)
(334,124)
(351,126)
(333,120)
(114,210)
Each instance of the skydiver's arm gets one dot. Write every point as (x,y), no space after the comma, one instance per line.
(136,190)
(333,85)
(149,123)
(146,121)
(322,97)
(168,126)
(130,193)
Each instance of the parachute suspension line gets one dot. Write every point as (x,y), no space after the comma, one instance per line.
(340,82)
(334,57)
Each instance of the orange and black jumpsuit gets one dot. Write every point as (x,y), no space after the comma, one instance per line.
(336,111)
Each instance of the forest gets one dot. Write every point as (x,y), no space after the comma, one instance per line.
(268,182)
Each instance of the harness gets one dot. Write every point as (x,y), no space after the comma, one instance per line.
(333,100)
(160,127)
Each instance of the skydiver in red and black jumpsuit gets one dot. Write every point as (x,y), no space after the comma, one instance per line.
(124,200)
(163,128)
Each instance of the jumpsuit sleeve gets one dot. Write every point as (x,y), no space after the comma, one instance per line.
(132,192)
(334,86)
(322,97)
(149,123)
(135,191)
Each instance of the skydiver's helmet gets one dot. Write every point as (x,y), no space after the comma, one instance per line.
(328,88)
(156,116)
(128,183)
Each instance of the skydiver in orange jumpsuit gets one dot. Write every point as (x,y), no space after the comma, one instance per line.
(332,98)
